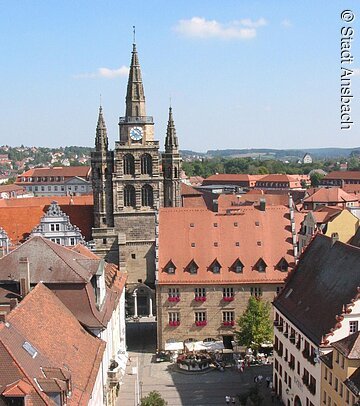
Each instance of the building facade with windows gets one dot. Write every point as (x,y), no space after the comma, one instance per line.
(318,306)
(130,184)
(219,259)
(56,181)
(55,225)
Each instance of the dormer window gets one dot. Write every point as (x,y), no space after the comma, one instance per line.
(283,265)
(170,267)
(260,266)
(237,266)
(192,267)
(215,267)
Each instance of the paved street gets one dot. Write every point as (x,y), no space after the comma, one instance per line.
(179,388)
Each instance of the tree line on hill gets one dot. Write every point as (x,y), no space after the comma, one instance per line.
(208,167)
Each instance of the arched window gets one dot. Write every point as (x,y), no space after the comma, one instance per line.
(147,197)
(146,164)
(169,172)
(129,196)
(175,172)
(129,164)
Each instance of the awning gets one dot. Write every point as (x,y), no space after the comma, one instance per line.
(176,346)
(208,346)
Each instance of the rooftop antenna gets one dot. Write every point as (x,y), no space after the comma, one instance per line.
(170,101)
(100,101)
(134,39)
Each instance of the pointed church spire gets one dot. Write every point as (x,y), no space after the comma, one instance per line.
(135,98)
(171,141)
(101,140)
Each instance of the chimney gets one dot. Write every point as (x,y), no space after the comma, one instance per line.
(334,238)
(24,276)
(262,204)
(2,317)
(13,303)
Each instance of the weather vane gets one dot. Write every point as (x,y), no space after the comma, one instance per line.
(134,34)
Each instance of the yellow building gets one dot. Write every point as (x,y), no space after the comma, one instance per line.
(340,371)
(345,224)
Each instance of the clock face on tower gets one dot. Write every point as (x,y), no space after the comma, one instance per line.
(136,133)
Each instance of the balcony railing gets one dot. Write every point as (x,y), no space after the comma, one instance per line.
(201,323)
(134,120)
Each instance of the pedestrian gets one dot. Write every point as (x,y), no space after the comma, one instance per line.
(227,399)
(233,400)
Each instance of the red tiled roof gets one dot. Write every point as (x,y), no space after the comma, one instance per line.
(260,234)
(18,217)
(187,190)
(239,177)
(66,171)
(278,177)
(330,195)
(53,330)
(231,201)
(343,175)
(11,188)
(323,214)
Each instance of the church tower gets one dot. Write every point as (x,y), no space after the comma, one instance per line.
(171,163)
(137,183)
(102,168)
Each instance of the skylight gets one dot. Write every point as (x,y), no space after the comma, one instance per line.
(29,349)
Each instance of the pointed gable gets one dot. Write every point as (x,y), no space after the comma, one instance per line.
(282,265)
(170,267)
(215,266)
(237,266)
(260,265)
(192,267)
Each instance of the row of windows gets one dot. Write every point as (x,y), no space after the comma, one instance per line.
(349,398)
(237,266)
(72,240)
(257,223)
(43,179)
(55,188)
(145,164)
(227,317)
(147,196)
(228,292)
(308,380)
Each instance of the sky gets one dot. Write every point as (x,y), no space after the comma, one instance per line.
(239,73)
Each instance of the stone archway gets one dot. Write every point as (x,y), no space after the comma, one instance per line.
(143,300)
(297,401)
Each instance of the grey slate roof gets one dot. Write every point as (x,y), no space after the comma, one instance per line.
(325,279)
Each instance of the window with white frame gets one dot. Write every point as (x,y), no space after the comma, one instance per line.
(174,316)
(228,292)
(256,291)
(174,292)
(200,292)
(354,326)
(228,316)
(72,241)
(200,316)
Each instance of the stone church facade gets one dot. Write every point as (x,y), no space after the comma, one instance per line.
(130,184)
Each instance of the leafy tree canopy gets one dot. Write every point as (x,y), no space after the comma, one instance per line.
(255,326)
(153,399)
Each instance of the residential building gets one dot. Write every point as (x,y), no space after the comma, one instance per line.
(90,288)
(279,181)
(344,179)
(47,358)
(55,225)
(340,371)
(204,281)
(56,181)
(327,220)
(228,179)
(18,217)
(307,159)
(334,196)
(318,306)
(11,191)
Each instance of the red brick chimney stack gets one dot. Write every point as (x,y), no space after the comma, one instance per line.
(24,276)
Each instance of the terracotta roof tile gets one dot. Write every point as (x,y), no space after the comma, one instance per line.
(330,195)
(41,318)
(203,235)
(66,171)
(343,175)
(18,217)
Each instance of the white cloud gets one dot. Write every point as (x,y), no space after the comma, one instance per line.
(104,73)
(201,28)
(286,23)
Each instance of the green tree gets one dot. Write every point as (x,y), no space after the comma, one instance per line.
(153,399)
(255,326)
(315,179)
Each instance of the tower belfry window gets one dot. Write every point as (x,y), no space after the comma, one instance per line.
(129,164)
(146,164)
(147,196)
(129,196)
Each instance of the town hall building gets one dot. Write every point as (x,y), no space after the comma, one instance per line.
(130,184)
